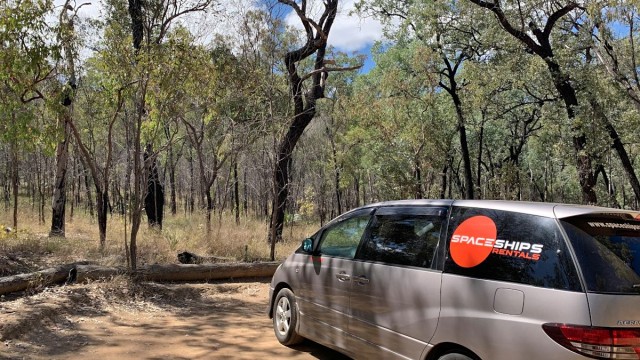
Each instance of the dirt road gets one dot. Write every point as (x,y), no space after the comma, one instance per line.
(149,321)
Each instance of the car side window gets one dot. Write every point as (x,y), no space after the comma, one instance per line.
(509,246)
(402,239)
(343,238)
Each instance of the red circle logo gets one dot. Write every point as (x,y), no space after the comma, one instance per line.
(472,241)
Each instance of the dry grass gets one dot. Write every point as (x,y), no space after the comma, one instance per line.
(242,242)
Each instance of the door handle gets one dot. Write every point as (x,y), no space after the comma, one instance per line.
(343,276)
(361,280)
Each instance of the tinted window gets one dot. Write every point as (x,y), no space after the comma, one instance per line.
(608,251)
(343,238)
(506,246)
(402,240)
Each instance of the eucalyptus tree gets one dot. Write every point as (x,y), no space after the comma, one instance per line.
(336,122)
(316,33)
(509,95)
(403,132)
(28,59)
(532,24)
(612,27)
(67,39)
(150,22)
(101,101)
(450,32)
(263,40)
(215,119)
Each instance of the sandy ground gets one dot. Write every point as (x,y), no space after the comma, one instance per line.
(120,320)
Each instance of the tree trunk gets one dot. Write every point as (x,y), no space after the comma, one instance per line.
(190,203)
(87,187)
(172,182)
(15,183)
(304,103)
(281,174)
(336,172)
(356,188)
(60,184)
(466,158)
(479,163)
(139,180)
(40,189)
(209,208)
(245,191)
(6,186)
(154,197)
(585,169)
(417,174)
(236,192)
(618,146)
(452,89)
(62,154)
(75,186)
(610,190)
(102,206)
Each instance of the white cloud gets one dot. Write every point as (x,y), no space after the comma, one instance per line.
(349,32)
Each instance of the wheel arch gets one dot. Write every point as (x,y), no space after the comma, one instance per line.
(447,348)
(276,290)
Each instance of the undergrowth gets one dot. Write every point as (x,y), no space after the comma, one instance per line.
(246,241)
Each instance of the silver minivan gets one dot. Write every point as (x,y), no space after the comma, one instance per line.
(460,280)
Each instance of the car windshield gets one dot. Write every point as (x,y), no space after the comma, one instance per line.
(608,250)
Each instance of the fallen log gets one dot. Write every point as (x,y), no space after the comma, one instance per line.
(34,280)
(83,271)
(203,272)
(95,272)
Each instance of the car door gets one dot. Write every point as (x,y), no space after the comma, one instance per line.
(395,296)
(325,279)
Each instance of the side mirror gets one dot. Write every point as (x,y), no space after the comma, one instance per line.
(307,245)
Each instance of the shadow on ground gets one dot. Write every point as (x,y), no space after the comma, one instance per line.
(159,321)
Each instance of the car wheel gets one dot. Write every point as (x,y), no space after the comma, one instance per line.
(454,356)
(285,318)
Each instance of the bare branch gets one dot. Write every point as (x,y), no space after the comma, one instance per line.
(504,22)
(553,18)
(327,69)
(201,6)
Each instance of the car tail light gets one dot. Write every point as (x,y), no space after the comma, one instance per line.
(597,343)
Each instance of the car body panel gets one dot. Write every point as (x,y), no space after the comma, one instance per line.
(468,316)
(322,297)
(397,309)
(614,310)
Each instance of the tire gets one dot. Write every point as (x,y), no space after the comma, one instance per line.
(285,318)
(454,356)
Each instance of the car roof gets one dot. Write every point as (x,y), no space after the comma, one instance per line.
(552,210)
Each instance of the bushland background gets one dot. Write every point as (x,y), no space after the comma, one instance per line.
(143,131)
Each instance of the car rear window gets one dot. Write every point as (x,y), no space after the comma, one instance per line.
(508,246)
(608,250)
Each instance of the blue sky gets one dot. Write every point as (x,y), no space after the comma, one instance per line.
(350,33)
